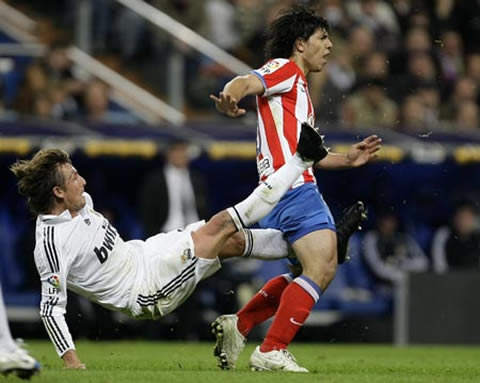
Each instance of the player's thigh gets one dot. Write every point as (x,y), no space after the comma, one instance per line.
(210,238)
(317,252)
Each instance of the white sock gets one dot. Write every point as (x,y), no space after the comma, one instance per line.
(7,344)
(266,195)
(264,244)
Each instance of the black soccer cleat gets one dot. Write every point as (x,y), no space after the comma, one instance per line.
(310,146)
(348,224)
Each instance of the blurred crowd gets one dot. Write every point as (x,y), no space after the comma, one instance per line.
(400,64)
(48,89)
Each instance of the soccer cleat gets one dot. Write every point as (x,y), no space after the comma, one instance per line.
(230,342)
(276,360)
(310,146)
(18,362)
(348,224)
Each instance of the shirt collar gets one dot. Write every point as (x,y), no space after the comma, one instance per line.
(54,219)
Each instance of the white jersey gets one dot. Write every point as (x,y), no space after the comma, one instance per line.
(86,255)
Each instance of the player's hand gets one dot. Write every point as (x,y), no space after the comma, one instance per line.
(227,105)
(71,361)
(364,151)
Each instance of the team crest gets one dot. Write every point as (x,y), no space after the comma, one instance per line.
(87,221)
(187,254)
(54,280)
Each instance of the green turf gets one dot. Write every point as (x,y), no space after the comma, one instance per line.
(193,362)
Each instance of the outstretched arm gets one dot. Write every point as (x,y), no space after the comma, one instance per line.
(53,275)
(359,154)
(240,87)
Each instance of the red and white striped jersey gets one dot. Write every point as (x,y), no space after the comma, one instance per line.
(282,108)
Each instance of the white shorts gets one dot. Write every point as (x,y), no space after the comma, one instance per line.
(174,271)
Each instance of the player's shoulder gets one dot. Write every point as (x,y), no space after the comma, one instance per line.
(275,65)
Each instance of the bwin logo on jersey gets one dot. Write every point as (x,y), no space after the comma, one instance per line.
(103,251)
(187,254)
(54,280)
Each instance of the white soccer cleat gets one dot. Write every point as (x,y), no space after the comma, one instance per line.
(18,362)
(230,342)
(276,360)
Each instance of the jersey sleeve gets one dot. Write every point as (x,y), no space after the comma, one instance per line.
(277,76)
(53,277)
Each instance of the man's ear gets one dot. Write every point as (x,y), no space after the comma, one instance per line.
(300,45)
(57,192)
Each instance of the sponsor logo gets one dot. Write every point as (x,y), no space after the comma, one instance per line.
(54,280)
(103,251)
(87,221)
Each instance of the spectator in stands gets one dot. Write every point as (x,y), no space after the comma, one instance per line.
(465,90)
(370,106)
(379,18)
(429,95)
(58,70)
(420,65)
(473,67)
(96,105)
(51,78)
(390,252)
(450,56)
(34,82)
(457,247)
(360,44)
(174,195)
(413,114)
(467,118)
(42,105)
(13,358)
(328,94)
(336,15)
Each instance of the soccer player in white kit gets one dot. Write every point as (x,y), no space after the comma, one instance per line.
(77,248)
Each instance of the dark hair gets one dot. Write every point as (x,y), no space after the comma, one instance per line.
(294,23)
(37,177)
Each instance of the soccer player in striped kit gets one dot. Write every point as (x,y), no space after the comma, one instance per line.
(297,44)
(77,248)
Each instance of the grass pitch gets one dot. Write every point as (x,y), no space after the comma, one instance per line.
(193,362)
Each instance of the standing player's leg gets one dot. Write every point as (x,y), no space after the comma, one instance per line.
(231,330)
(13,358)
(210,238)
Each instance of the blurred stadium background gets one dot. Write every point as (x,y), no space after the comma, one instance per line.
(114,81)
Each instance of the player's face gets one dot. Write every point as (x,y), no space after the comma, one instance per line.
(317,48)
(73,188)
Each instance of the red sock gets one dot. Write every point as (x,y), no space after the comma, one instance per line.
(295,306)
(263,305)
